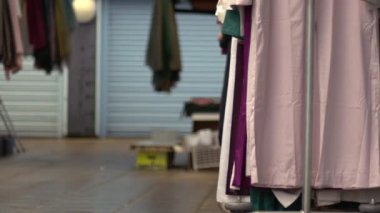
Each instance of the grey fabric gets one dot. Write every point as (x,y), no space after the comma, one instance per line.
(1,30)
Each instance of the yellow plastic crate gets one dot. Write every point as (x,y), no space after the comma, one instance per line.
(157,160)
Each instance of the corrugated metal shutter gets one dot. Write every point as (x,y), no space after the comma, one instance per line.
(133,108)
(35,102)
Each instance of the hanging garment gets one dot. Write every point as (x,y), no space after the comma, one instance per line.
(37,15)
(42,55)
(70,15)
(19,49)
(346,101)
(36,23)
(28,49)
(222,197)
(163,53)
(264,199)
(235,142)
(223,6)
(62,23)
(241,2)
(15,17)
(1,29)
(9,46)
(273,119)
(54,55)
(224,90)
(330,196)
(49,24)
(224,43)
(62,29)
(231,25)
(40,27)
(240,140)
(221,10)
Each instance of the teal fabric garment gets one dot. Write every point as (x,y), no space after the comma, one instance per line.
(70,15)
(263,199)
(231,25)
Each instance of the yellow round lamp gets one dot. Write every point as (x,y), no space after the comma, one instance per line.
(85,10)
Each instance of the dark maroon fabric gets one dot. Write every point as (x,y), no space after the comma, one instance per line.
(39,25)
(36,24)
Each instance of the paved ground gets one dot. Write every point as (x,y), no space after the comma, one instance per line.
(98,176)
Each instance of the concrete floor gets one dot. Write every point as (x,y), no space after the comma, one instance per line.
(98,176)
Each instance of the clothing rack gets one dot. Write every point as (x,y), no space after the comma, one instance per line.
(10,130)
(309,68)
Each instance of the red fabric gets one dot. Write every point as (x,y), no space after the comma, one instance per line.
(204,101)
(37,35)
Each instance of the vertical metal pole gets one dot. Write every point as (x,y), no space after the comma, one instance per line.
(309,65)
(98,69)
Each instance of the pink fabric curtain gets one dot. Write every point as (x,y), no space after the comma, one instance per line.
(346,99)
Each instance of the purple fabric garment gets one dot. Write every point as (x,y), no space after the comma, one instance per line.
(237,158)
(235,120)
(240,180)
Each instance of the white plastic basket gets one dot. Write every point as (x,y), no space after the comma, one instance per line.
(205,157)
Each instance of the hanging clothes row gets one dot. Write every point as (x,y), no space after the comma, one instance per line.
(37,27)
(263,126)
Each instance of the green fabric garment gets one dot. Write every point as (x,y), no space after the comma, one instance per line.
(62,30)
(172,37)
(154,52)
(163,52)
(263,199)
(231,25)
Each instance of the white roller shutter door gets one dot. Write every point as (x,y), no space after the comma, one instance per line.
(131,107)
(35,101)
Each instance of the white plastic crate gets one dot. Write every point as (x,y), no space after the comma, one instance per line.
(205,157)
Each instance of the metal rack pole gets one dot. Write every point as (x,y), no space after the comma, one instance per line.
(309,68)
(7,122)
